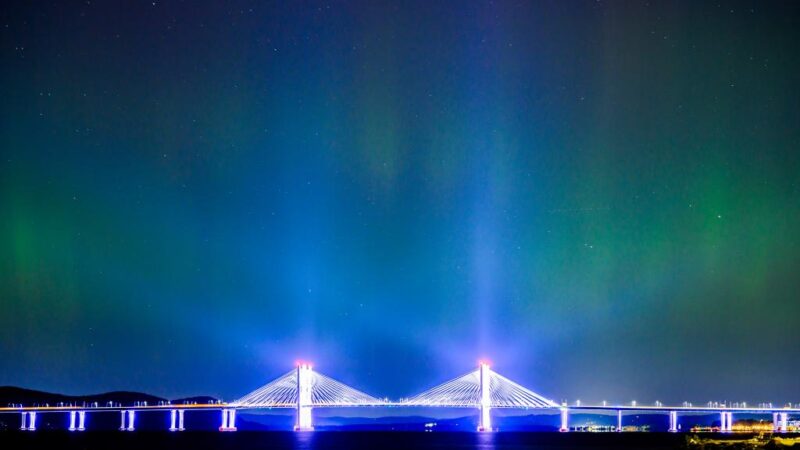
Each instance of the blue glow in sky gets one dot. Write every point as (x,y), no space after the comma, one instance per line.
(600,198)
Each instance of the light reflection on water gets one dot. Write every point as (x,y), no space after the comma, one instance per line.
(304,440)
(477,441)
(485,441)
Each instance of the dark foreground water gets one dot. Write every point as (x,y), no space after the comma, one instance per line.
(144,440)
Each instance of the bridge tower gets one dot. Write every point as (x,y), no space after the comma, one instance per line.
(302,389)
(485,423)
(304,398)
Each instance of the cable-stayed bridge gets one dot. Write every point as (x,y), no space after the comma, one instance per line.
(304,389)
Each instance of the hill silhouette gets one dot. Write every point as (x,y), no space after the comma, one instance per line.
(12,395)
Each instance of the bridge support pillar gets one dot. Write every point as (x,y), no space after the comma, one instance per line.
(304,400)
(28,421)
(72,416)
(81,420)
(131,419)
(173,417)
(224,426)
(485,421)
(726,422)
(228,420)
(783,422)
(564,420)
(127,420)
(180,420)
(673,421)
(619,421)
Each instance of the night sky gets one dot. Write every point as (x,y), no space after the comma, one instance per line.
(600,198)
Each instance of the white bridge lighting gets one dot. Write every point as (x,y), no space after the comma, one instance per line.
(302,389)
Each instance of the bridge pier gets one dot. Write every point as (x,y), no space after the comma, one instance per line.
(673,421)
(28,421)
(228,420)
(726,422)
(72,416)
(304,400)
(782,422)
(127,420)
(619,421)
(485,421)
(176,417)
(81,420)
(564,420)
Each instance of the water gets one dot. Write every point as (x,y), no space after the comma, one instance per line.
(150,440)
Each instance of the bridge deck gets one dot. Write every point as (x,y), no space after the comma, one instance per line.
(219,406)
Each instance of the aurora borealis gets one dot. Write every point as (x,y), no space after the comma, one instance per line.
(602,198)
